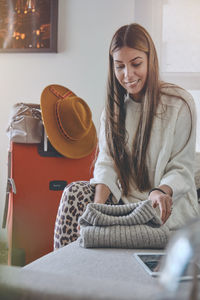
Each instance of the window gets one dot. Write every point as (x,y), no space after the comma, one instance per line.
(181,36)
(175,28)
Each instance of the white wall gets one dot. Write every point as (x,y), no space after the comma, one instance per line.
(85,30)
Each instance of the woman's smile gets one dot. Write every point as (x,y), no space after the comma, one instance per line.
(132,84)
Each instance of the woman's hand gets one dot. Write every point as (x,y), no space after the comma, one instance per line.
(78,228)
(164,201)
(102,193)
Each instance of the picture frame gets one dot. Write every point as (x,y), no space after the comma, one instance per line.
(28,26)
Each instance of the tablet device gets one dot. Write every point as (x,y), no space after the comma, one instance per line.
(152,262)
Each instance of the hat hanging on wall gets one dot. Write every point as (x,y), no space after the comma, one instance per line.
(68,122)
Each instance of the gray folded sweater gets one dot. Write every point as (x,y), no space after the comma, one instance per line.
(134,225)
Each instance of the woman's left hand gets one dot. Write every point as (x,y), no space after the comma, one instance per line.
(164,201)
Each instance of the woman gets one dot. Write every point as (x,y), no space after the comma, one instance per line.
(146,141)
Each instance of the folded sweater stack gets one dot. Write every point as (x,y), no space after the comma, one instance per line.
(134,225)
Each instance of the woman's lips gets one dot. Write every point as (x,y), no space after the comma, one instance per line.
(132,84)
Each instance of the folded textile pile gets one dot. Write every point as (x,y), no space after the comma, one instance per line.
(134,225)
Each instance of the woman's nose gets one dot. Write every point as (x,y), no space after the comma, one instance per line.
(128,72)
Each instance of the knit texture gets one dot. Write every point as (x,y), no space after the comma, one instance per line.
(134,225)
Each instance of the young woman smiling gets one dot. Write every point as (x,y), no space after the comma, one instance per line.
(146,141)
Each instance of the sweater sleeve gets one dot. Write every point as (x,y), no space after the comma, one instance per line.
(179,172)
(104,171)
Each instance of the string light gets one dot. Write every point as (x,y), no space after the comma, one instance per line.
(24,8)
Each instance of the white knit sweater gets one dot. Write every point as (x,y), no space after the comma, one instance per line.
(170,158)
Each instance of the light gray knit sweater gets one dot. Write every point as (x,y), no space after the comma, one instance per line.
(134,225)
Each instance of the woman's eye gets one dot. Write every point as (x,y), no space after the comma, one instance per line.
(119,67)
(137,65)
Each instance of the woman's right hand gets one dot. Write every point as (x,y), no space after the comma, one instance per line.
(102,193)
(78,228)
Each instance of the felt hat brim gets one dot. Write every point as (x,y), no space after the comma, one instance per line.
(70,148)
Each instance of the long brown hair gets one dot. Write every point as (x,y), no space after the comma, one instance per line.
(134,164)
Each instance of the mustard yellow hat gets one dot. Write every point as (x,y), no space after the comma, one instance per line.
(68,122)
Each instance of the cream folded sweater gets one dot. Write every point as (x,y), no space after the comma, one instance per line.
(134,225)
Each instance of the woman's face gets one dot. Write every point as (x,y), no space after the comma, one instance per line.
(131,68)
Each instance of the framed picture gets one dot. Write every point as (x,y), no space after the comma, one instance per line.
(28,25)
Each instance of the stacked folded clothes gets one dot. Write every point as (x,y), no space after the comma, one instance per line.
(134,225)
